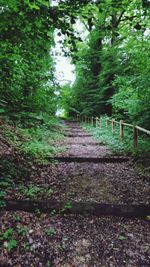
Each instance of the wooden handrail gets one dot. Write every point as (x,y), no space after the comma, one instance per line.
(136,128)
(127,124)
(142,130)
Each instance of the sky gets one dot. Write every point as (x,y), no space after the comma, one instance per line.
(64,69)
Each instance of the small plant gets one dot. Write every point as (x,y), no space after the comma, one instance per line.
(11,244)
(5,183)
(68,205)
(121,237)
(2,201)
(8,233)
(37,212)
(2,194)
(49,192)
(26,246)
(22,230)
(7,238)
(50,232)
(33,191)
(53,212)
(17,218)
(48,264)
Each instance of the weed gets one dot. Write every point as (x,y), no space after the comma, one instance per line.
(37,212)
(67,206)
(7,238)
(121,237)
(50,232)
(22,230)
(2,201)
(49,192)
(2,194)
(53,213)
(33,191)
(17,218)
(8,233)
(26,246)
(48,264)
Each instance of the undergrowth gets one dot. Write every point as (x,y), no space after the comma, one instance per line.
(105,136)
(25,142)
(34,137)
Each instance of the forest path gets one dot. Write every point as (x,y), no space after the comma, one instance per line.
(89,172)
(79,240)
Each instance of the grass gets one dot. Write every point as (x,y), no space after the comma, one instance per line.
(105,136)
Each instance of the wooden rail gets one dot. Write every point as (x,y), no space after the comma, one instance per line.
(99,122)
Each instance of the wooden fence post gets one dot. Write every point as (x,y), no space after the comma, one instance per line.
(86,119)
(113,126)
(96,122)
(106,122)
(135,137)
(100,122)
(121,131)
(93,121)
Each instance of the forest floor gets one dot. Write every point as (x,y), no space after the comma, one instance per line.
(86,172)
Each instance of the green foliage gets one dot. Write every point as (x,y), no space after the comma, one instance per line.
(112,65)
(26,66)
(33,191)
(121,237)
(22,230)
(105,136)
(7,238)
(34,135)
(38,142)
(67,206)
(132,85)
(2,196)
(50,232)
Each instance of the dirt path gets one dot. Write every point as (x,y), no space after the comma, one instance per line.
(85,172)
(88,171)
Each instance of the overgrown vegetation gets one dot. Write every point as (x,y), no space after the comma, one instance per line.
(34,138)
(24,145)
(105,136)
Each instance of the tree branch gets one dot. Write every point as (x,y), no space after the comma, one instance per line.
(119,19)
